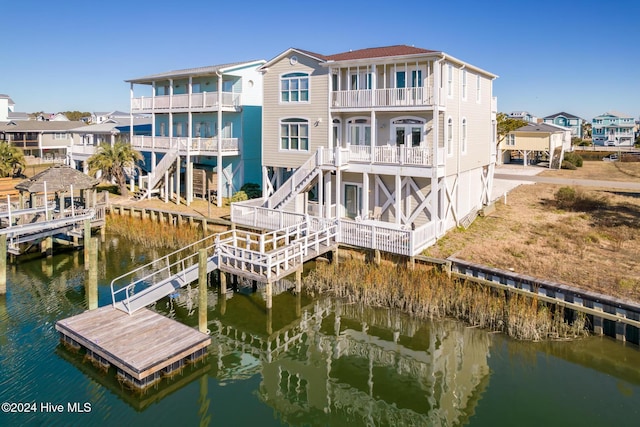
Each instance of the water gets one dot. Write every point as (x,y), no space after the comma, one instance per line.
(308,362)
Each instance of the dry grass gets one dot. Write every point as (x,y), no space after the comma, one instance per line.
(598,249)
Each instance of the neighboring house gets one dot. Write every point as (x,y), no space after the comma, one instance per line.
(396,139)
(101,117)
(613,129)
(41,140)
(574,123)
(6,107)
(536,142)
(206,118)
(87,138)
(523,115)
(57,117)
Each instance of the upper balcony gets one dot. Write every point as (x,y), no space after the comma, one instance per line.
(202,101)
(419,97)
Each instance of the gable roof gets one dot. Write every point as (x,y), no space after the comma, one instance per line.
(315,56)
(198,71)
(616,114)
(563,114)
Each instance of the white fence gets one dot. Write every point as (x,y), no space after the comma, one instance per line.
(195,101)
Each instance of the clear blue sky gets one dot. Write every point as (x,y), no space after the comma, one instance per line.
(550,56)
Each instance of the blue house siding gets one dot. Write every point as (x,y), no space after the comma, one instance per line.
(252,144)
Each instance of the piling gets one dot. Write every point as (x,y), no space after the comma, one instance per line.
(3,264)
(269,296)
(377,258)
(92,277)
(299,280)
(46,246)
(202,288)
(87,237)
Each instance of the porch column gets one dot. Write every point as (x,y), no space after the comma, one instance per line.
(188,177)
(374,133)
(178,180)
(338,191)
(321,195)
(398,200)
(219,130)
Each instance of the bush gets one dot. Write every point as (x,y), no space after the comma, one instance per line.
(252,190)
(573,158)
(239,197)
(565,197)
(568,165)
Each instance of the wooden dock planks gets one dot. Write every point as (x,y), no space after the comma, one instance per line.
(139,344)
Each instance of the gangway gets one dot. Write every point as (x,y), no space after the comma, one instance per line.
(264,257)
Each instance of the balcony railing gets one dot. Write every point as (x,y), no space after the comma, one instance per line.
(396,97)
(165,143)
(199,101)
(382,154)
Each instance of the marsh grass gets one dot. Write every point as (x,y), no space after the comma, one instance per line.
(151,234)
(426,294)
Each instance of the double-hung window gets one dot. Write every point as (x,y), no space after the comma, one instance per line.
(294,87)
(294,135)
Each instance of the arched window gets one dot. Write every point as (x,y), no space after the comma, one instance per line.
(294,134)
(294,87)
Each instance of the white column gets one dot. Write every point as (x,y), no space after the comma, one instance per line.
(178,180)
(328,195)
(398,201)
(219,158)
(365,194)
(321,203)
(338,192)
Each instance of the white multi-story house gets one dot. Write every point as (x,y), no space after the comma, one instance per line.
(574,123)
(613,128)
(395,143)
(206,118)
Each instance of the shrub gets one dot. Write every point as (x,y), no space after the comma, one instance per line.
(573,158)
(565,197)
(252,190)
(239,197)
(568,165)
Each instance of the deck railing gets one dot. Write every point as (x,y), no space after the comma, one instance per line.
(197,144)
(392,97)
(197,101)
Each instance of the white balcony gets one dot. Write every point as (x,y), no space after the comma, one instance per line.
(381,155)
(184,102)
(194,146)
(380,98)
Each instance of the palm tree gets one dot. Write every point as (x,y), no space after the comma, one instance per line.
(114,161)
(11,158)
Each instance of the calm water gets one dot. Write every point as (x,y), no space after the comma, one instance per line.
(308,362)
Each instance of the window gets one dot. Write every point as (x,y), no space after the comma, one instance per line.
(416,78)
(59,136)
(294,87)
(511,139)
(449,80)
(450,136)
(464,84)
(294,134)
(478,93)
(463,137)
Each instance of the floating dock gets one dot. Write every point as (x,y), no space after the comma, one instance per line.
(144,346)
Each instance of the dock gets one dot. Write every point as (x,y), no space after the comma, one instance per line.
(144,346)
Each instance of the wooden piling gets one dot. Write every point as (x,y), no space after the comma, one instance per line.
(299,280)
(202,288)
(3,264)
(269,296)
(92,276)
(87,237)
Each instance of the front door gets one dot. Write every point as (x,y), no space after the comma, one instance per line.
(352,200)
(360,132)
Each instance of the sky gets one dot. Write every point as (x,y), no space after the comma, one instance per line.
(580,57)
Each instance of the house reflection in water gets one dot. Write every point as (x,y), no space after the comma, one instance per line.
(341,363)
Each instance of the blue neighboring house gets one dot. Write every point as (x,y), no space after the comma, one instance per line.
(613,129)
(203,120)
(566,120)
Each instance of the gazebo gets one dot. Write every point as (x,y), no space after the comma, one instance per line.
(59,180)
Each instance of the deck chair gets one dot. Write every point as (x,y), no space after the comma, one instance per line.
(375,215)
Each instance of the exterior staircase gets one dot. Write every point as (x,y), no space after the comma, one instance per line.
(298,182)
(154,177)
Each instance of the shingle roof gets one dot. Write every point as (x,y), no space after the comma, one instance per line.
(540,127)
(379,52)
(39,126)
(58,178)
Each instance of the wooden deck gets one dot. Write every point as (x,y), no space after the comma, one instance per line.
(142,346)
